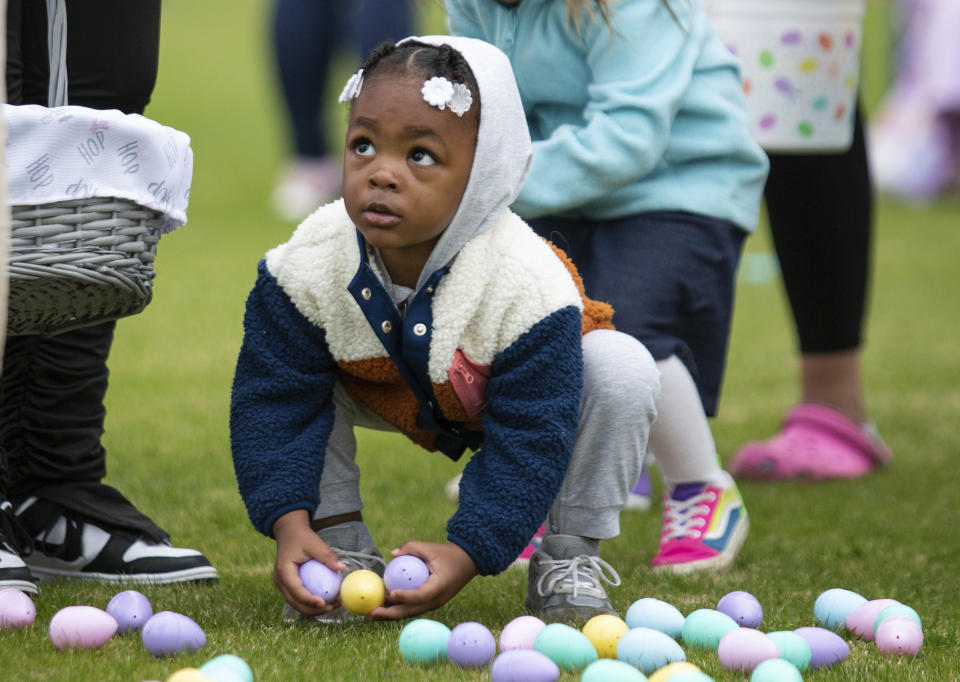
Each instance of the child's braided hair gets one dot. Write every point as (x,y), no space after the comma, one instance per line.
(423,59)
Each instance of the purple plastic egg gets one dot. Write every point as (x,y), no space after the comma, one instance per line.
(17,610)
(83,627)
(520,633)
(861,620)
(131,610)
(899,636)
(826,646)
(743,607)
(523,665)
(744,649)
(320,579)
(168,633)
(471,645)
(405,572)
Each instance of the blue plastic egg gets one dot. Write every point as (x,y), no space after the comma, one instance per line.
(424,641)
(743,607)
(793,648)
(826,646)
(704,628)
(657,615)
(471,645)
(834,605)
(226,667)
(648,649)
(523,665)
(130,609)
(609,670)
(566,646)
(776,670)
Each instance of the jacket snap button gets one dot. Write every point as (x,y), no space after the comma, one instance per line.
(386,326)
(419,329)
(366,293)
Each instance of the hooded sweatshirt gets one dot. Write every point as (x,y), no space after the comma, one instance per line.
(486,355)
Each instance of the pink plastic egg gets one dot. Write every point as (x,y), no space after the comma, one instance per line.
(320,580)
(84,627)
(744,649)
(16,609)
(405,572)
(520,633)
(899,636)
(168,633)
(130,609)
(826,646)
(861,620)
(523,665)
(471,645)
(743,607)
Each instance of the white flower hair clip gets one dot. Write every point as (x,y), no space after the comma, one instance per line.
(352,89)
(440,93)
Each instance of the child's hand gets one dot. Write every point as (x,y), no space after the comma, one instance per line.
(450,569)
(297,543)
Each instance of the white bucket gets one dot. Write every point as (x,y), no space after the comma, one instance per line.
(800,64)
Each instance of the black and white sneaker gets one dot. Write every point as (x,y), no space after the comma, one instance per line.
(66,545)
(13,541)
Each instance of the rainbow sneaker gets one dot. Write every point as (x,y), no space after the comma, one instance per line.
(523,559)
(704,527)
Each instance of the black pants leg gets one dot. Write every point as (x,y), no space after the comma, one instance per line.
(52,387)
(821,212)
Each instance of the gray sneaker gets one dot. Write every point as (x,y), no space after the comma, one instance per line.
(565,580)
(345,541)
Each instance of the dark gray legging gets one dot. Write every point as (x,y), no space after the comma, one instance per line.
(52,387)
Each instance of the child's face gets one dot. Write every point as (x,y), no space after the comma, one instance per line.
(406,166)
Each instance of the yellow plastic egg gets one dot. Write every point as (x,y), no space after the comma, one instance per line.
(189,675)
(671,669)
(604,632)
(362,591)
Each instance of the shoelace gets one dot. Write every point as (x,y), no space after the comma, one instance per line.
(684,518)
(12,534)
(72,545)
(361,560)
(581,572)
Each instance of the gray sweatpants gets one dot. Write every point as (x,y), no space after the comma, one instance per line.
(621,388)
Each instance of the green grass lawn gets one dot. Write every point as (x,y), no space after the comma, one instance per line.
(892,535)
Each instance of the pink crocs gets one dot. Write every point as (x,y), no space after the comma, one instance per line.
(815,443)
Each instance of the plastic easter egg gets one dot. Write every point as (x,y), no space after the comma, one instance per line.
(834,605)
(523,665)
(362,591)
(130,609)
(189,675)
(648,649)
(424,641)
(776,670)
(83,627)
(743,607)
(520,633)
(608,670)
(168,633)
(405,573)
(861,619)
(657,615)
(690,676)
(320,579)
(896,610)
(826,646)
(899,636)
(566,646)
(793,648)
(668,671)
(471,645)
(604,632)
(221,667)
(743,649)
(705,627)
(17,610)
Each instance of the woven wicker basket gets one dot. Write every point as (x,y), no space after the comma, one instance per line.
(79,263)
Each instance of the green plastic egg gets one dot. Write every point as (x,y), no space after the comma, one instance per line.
(566,646)
(793,648)
(704,628)
(896,610)
(424,641)
(226,665)
(610,670)
(776,670)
